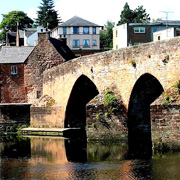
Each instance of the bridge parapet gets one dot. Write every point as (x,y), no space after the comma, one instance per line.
(119,70)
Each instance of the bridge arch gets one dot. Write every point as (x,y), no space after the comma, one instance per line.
(82,92)
(145,91)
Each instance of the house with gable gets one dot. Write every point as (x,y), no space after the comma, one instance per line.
(27,37)
(21,68)
(31,35)
(82,36)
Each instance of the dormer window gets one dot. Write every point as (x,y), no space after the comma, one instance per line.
(14,70)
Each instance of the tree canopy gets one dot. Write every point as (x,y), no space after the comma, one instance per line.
(106,35)
(137,15)
(10,20)
(47,16)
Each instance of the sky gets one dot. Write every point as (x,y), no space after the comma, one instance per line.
(96,11)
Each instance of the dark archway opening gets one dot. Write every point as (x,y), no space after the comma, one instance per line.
(146,90)
(82,92)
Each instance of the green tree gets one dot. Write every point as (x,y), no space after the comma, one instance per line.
(47,16)
(126,15)
(138,15)
(10,20)
(106,35)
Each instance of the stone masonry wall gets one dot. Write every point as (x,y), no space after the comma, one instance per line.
(165,121)
(101,127)
(12,86)
(161,60)
(12,115)
(46,117)
(43,57)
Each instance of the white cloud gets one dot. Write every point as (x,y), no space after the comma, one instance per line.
(32,13)
(99,11)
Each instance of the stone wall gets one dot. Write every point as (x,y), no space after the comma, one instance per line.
(165,121)
(43,57)
(46,117)
(12,86)
(12,115)
(101,127)
(122,71)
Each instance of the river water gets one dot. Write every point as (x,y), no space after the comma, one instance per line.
(56,158)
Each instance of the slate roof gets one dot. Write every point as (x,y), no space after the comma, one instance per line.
(30,31)
(159,23)
(21,34)
(63,49)
(77,21)
(13,55)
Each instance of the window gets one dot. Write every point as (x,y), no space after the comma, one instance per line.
(94,30)
(14,70)
(86,43)
(85,30)
(139,30)
(75,43)
(75,30)
(159,38)
(116,46)
(64,30)
(94,43)
(38,94)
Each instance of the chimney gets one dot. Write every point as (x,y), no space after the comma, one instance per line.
(17,35)
(43,36)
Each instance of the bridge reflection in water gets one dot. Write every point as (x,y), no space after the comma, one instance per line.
(57,158)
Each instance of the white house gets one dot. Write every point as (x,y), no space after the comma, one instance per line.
(31,35)
(167,33)
(78,34)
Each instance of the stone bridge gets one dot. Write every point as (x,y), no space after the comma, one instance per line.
(74,92)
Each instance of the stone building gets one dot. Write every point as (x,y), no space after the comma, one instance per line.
(21,68)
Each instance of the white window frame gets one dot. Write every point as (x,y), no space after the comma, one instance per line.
(14,70)
(139,30)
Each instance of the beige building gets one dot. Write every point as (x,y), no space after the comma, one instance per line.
(79,34)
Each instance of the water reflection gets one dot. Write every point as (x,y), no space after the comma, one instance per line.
(59,158)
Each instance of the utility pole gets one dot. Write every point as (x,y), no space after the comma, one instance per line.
(17,35)
(167,12)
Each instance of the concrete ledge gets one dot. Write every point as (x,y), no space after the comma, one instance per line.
(65,132)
